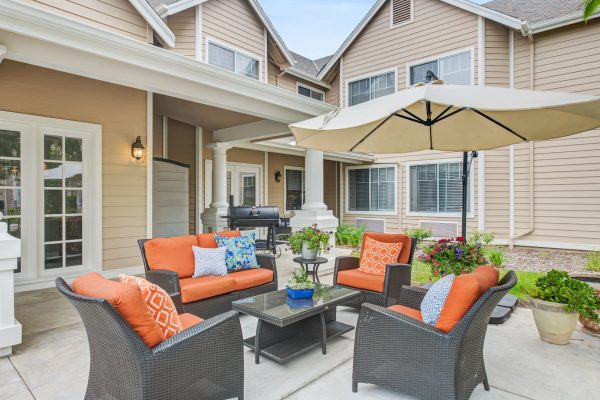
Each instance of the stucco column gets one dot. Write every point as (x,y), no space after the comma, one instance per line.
(212,217)
(10,328)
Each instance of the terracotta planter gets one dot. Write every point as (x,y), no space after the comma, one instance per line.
(554,324)
(592,279)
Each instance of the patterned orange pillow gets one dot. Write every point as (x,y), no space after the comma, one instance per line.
(376,255)
(159,303)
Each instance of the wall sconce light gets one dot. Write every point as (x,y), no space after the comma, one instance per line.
(277,176)
(137,149)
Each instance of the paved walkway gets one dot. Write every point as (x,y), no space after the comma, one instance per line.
(52,363)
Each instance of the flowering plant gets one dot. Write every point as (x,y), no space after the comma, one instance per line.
(453,256)
(299,280)
(313,237)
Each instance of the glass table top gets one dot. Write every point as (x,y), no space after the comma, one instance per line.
(277,305)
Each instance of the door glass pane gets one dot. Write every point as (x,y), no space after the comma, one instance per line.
(53,254)
(248,189)
(10,183)
(53,229)
(73,175)
(53,202)
(74,228)
(294,184)
(73,201)
(73,149)
(10,201)
(10,144)
(53,148)
(53,174)
(10,172)
(74,254)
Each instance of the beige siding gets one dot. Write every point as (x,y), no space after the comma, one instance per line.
(115,15)
(497,192)
(522,63)
(332,96)
(438,28)
(235,23)
(183,25)
(277,162)
(122,113)
(330,185)
(496,55)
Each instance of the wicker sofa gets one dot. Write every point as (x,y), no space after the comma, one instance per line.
(204,361)
(419,359)
(375,289)
(169,263)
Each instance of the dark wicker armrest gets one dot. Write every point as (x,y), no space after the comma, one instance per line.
(396,276)
(370,312)
(267,261)
(169,281)
(344,263)
(411,296)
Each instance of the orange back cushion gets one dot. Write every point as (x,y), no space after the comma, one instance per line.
(463,294)
(173,254)
(376,255)
(126,300)
(487,276)
(159,303)
(207,240)
(390,238)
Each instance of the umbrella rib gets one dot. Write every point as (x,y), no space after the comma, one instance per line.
(412,115)
(418,121)
(499,124)
(372,131)
(441,114)
(442,117)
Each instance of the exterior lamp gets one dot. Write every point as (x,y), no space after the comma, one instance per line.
(137,149)
(278,176)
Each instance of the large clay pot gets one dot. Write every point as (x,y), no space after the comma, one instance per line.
(307,253)
(592,279)
(554,324)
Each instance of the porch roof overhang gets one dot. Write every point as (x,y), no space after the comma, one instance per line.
(41,38)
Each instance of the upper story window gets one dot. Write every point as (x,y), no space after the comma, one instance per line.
(455,69)
(371,88)
(310,92)
(233,60)
(401,12)
(372,189)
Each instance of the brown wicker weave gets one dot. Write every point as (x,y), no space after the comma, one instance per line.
(396,275)
(204,361)
(410,356)
(206,308)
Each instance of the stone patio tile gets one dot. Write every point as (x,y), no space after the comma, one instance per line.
(11,385)
(41,310)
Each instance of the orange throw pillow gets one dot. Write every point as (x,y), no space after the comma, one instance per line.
(126,300)
(463,294)
(488,277)
(159,303)
(376,255)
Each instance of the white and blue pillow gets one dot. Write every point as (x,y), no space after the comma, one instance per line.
(209,261)
(241,251)
(433,302)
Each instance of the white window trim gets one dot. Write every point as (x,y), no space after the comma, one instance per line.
(471,199)
(232,167)
(412,15)
(228,46)
(371,166)
(299,85)
(285,169)
(440,56)
(369,75)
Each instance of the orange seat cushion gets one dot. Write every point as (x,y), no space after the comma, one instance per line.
(361,280)
(409,312)
(487,276)
(188,320)
(126,300)
(463,294)
(391,238)
(251,278)
(194,289)
(376,255)
(207,240)
(173,254)
(159,303)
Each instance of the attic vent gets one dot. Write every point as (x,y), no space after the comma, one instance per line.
(441,229)
(371,225)
(401,11)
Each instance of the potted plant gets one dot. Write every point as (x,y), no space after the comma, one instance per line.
(299,286)
(592,277)
(453,256)
(557,301)
(309,242)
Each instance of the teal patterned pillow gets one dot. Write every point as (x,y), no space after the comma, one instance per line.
(241,252)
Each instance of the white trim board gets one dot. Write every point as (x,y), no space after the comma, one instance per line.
(298,85)
(155,21)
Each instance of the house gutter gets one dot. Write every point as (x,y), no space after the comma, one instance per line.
(2,53)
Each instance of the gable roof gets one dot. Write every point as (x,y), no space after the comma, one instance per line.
(534,11)
(155,21)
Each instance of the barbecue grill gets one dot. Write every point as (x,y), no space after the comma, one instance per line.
(256,217)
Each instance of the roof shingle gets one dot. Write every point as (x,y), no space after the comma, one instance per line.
(534,11)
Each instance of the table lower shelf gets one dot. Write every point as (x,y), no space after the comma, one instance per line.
(296,345)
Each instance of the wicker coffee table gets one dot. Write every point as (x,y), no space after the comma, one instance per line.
(288,328)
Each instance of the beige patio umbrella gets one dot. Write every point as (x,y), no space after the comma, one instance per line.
(445,117)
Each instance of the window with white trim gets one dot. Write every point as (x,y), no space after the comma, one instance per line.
(294,188)
(436,188)
(310,92)
(370,88)
(454,69)
(401,11)
(372,189)
(233,61)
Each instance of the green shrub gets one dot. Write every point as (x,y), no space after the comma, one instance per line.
(484,238)
(559,287)
(419,234)
(348,235)
(593,261)
(496,257)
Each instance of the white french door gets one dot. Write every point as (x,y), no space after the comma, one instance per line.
(50,193)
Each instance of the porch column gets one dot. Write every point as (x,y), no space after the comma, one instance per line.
(10,328)
(212,220)
(314,210)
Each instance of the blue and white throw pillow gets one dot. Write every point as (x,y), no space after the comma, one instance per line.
(433,302)
(209,261)
(241,251)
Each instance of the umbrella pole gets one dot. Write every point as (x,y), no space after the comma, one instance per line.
(465,182)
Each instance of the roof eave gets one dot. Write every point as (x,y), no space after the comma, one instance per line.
(299,74)
(155,21)
(559,22)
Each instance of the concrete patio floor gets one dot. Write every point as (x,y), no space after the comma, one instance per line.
(53,360)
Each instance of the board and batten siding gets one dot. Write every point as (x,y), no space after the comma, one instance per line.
(121,112)
(183,25)
(114,15)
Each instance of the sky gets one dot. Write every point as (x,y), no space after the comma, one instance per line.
(317,28)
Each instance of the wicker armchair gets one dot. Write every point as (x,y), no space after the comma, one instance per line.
(204,361)
(396,274)
(397,351)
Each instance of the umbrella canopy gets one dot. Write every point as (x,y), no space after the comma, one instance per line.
(449,118)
